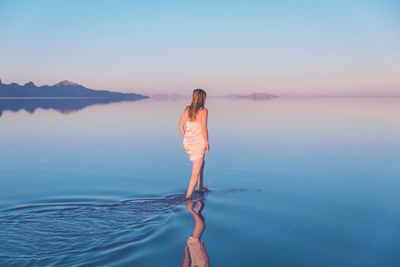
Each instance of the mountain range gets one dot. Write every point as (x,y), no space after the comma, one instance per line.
(64,89)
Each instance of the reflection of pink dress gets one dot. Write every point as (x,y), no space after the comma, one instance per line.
(193,141)
(198,254)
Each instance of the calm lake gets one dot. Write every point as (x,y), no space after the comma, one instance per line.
(293,182)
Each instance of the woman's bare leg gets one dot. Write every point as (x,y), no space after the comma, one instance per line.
(195,173)
(200,178)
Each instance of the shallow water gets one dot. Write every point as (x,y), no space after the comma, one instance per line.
(293,182)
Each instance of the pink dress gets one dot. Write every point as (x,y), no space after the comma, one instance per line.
(193,141)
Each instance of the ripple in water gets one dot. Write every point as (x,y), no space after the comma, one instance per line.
(72,233)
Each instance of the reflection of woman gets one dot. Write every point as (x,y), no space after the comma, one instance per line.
(195,253)
(195,137)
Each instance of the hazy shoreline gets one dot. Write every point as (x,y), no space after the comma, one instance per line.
(254,97)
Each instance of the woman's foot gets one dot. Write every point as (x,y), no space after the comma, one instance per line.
(203,189)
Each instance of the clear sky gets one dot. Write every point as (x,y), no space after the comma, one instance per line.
(313,47)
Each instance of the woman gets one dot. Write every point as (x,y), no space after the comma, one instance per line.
(195,138)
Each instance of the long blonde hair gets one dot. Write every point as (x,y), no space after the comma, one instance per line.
(198,100)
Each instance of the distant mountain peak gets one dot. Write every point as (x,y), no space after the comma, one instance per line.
(30,83)
(66,83)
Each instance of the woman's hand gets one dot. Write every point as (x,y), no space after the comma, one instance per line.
(207,147)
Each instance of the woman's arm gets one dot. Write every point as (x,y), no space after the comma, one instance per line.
(182,122)
(204,130)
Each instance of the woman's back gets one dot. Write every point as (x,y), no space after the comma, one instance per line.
(193,141)
(193,128)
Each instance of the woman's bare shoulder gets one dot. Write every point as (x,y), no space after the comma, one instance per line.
(203,114)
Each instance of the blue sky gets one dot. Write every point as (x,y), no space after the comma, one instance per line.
(313,47)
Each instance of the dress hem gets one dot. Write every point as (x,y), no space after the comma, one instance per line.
(196,158)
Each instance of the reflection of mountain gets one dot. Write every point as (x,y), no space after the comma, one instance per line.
(63,105)
(64,96)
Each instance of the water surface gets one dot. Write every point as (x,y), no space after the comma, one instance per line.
(294,182)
